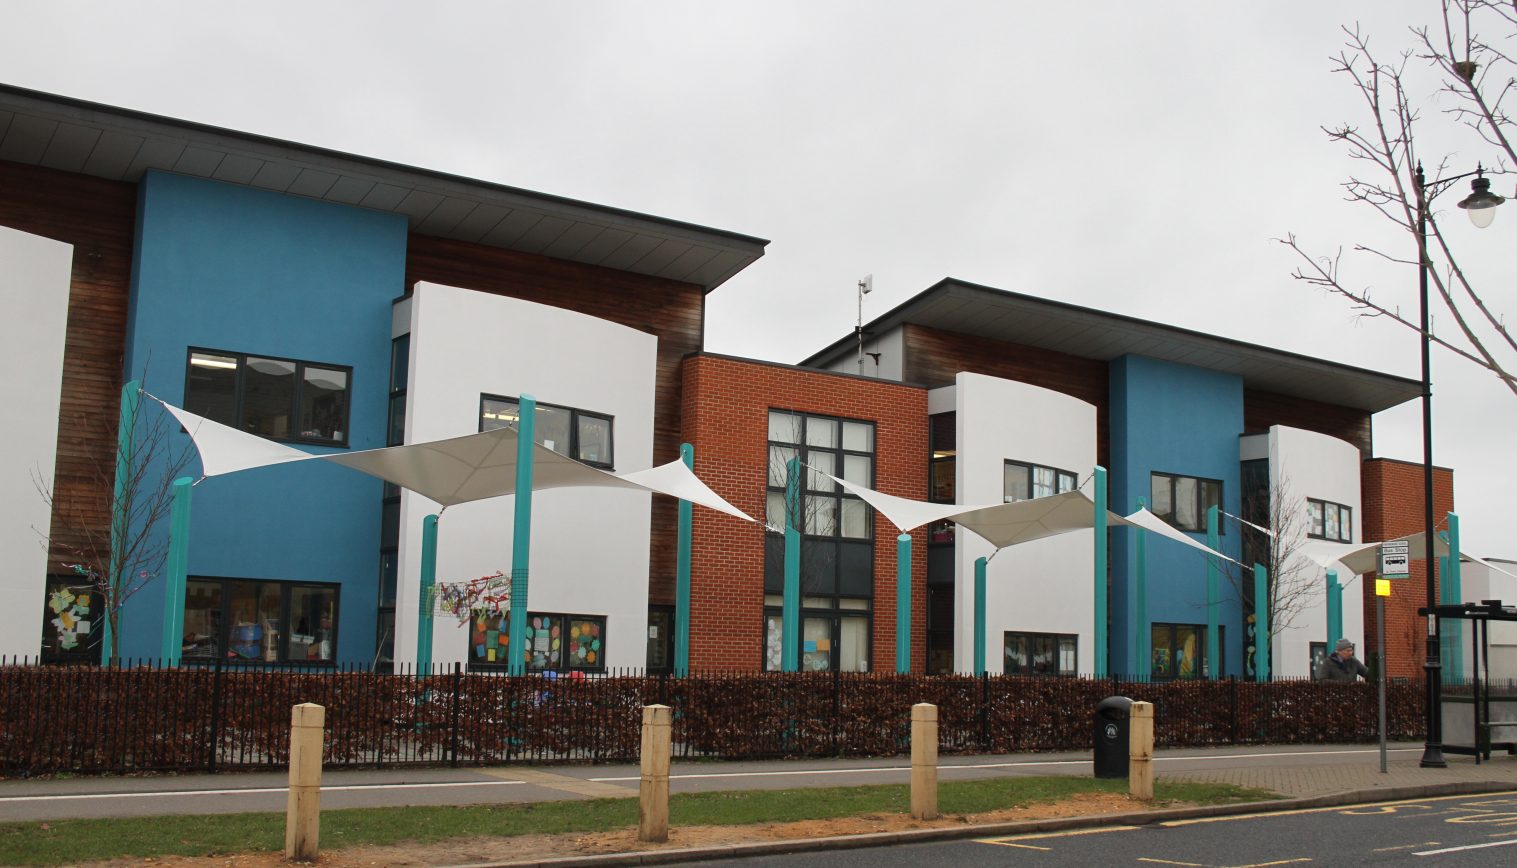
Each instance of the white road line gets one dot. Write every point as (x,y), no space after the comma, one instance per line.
(251,790)
(1466,847)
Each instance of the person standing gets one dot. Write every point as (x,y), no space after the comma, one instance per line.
(1342,665)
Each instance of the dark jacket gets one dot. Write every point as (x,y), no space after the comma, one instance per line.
(1335,668)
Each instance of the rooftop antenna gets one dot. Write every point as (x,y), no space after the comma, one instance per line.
(866,285)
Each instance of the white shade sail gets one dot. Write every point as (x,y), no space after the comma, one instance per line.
(1150,522)
(1361,558)
(1009,524)
(224,449)
(677,480)
(904,513)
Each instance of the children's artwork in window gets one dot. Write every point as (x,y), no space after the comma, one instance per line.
(585,637)
(544,636)
(69,620)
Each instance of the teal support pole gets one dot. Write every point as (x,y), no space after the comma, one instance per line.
(521,537)
(427,604)
(979,615)
(903,603)
(175,569)
(1261,623)
(1453,594)
(1143,665)
(682,577)
(1100,578)
(790,618)
(1334,610)
(131,398)
(1213,592)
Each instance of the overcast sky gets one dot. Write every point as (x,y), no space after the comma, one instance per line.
(1140,158)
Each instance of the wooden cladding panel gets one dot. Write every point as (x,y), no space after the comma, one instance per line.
(1263,409)
(97,217)
(671,310)
(933,357)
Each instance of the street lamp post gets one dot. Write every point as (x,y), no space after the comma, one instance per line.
(1481,205)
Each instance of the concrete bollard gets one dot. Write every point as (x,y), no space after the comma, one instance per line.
(924,761)
(653,788)
(1140,743)
(302,819)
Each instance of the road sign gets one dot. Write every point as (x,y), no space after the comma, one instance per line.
(1382,588)
(1395,560)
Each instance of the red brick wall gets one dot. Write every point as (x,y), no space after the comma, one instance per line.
(1392,492)
(726,418)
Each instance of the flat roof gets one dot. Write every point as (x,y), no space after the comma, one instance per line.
(967,308)
(40,129)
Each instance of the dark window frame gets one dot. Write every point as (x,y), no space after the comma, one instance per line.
(1059,476)
(286,589)
(1203,666)
(1058,641)
(804,450)
(1201,505)
(1345,520)
(575,414)
(562,667)
(239,394)
(88,650)
(835,617)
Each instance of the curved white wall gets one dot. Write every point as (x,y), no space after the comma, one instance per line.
(589,546)
(34,287)
(1039,587)
(1305,464)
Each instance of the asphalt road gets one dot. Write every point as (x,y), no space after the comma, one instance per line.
(1432,833)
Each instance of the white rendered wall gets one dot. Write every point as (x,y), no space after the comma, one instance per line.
(34,287)
(1038,587)
(1306,464)
(589,546)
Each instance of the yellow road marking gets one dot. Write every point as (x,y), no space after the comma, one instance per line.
(1038,836)
(1277,862)
(1230,818)
(1170,862)
(1012,844)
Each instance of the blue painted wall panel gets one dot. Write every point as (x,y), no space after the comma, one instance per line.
(1183,420)
(230,268)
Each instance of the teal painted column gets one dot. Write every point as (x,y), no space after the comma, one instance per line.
(521,536)
(1453,594)
(427,604)
(1261,623)
(1100,578)
(682,577)
(1213,591)
(121,504)
(175,569)
(790,617)
(1334,610)
(979,615)
(1143,665)
(903,603)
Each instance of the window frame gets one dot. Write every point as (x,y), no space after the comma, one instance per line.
(239,394)
(286,591)
(1058,640)
(574,416)
(835,616)
(1345,520)
(562,667)
(88,650)
(1172,518)
(1203,667)
(1059,476)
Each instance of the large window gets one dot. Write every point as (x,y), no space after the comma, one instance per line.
(1329,520)
(579,434)
(1183,500)
(389,527)
(554,642)
(1027,481)
(1041,654)
(834,634)
(1179,651)
(257,621)
(281,399)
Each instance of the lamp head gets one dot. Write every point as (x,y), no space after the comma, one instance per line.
(1481,203)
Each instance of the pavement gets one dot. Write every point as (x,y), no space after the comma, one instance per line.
(1306,775)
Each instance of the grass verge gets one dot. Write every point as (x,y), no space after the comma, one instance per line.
(73,841)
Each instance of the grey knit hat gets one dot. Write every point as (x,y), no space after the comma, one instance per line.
(1344,643)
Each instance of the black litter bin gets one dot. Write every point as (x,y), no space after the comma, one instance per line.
(1113,721)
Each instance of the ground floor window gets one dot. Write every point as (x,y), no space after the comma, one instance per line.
(660,638)
(1179,651)
(260,621)
(834,634)
(1041,654)
(72,619)
(554,642)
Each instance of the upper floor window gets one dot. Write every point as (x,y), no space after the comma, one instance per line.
(1027,481)
(828,447)
(1183,500)
(1330,520)
(579,434)
(281,399)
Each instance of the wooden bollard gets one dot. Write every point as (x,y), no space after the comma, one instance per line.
(1140,747)
(653,788)
(302,819)
(924,761)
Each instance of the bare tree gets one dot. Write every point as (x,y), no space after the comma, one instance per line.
(1464,52)
(115,571)
(1293,583)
